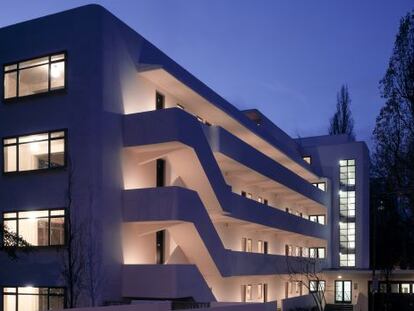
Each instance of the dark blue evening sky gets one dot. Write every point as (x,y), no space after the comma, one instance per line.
(286,58)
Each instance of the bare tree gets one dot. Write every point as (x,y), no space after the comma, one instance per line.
(73,255)
(306,272)
(94,276)
(342,121)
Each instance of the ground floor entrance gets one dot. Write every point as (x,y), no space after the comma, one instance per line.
(343,291)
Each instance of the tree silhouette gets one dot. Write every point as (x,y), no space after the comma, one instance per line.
(342,121)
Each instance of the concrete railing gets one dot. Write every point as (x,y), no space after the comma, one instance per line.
(305,301)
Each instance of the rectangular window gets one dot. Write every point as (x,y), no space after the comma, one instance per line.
(32,298)
(260,246)
(316,285)
(347,172)
(249,245)
(34,152)
(260,199)
(38,228)
(248,292)
(320,219)
(35,76)
(260,291)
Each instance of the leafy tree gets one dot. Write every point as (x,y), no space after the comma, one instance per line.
(342,121)
(393,157)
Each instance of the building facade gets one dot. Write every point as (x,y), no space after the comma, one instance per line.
(162,188)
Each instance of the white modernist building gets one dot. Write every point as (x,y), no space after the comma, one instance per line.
(172,193)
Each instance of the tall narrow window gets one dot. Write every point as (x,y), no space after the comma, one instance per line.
(159,101)
(35,76)
(32,298)
(160,247)
(265,247)
(160,173)
(260,246)
(347,213)
(38,228)
(34,152)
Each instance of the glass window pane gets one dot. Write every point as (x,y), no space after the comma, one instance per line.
(33,156)
(34,62)
(9,302)
(58,57)
(32,138)
(57,153)
(10,67)
(57,134)
(9,141)
(59,212)
(10,84)
(33,80)
(35,231)
(10,158)
(57,75)
(34,214)
(11,227)
(9,289)
(28,290)
(57,231)
(9,215)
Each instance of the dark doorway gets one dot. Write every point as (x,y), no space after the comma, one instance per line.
(265,247)
(160,173)
(159,101)
(265,292)
(160,243)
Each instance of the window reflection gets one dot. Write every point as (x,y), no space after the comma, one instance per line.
(38,228)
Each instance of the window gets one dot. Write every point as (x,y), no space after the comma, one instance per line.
(265,201)
(346,204)
(32,298)
(249,195)
(38,228)
(347,260)
(260,199)
(307,159)
(34,152)
(347,172)
(260,291)
(260,246)
(316,285)
(247,292)
(320,219)
(35,76)
(243,193)
(320,185)
(247,245)
(317,252)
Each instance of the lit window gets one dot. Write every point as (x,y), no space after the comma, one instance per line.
(320,219)
(34,152)
(307,159)
(248,292)
(37,228)
(35,76)
(259,291)
(320,185)
(347,172)
(260,199)
(405,288)
(32,298)
(316,285)
(260,246)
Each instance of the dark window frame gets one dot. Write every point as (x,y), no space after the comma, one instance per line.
(49,294)
(18,98)
(317,285)
(317,219)
(49,217)
(49,139)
